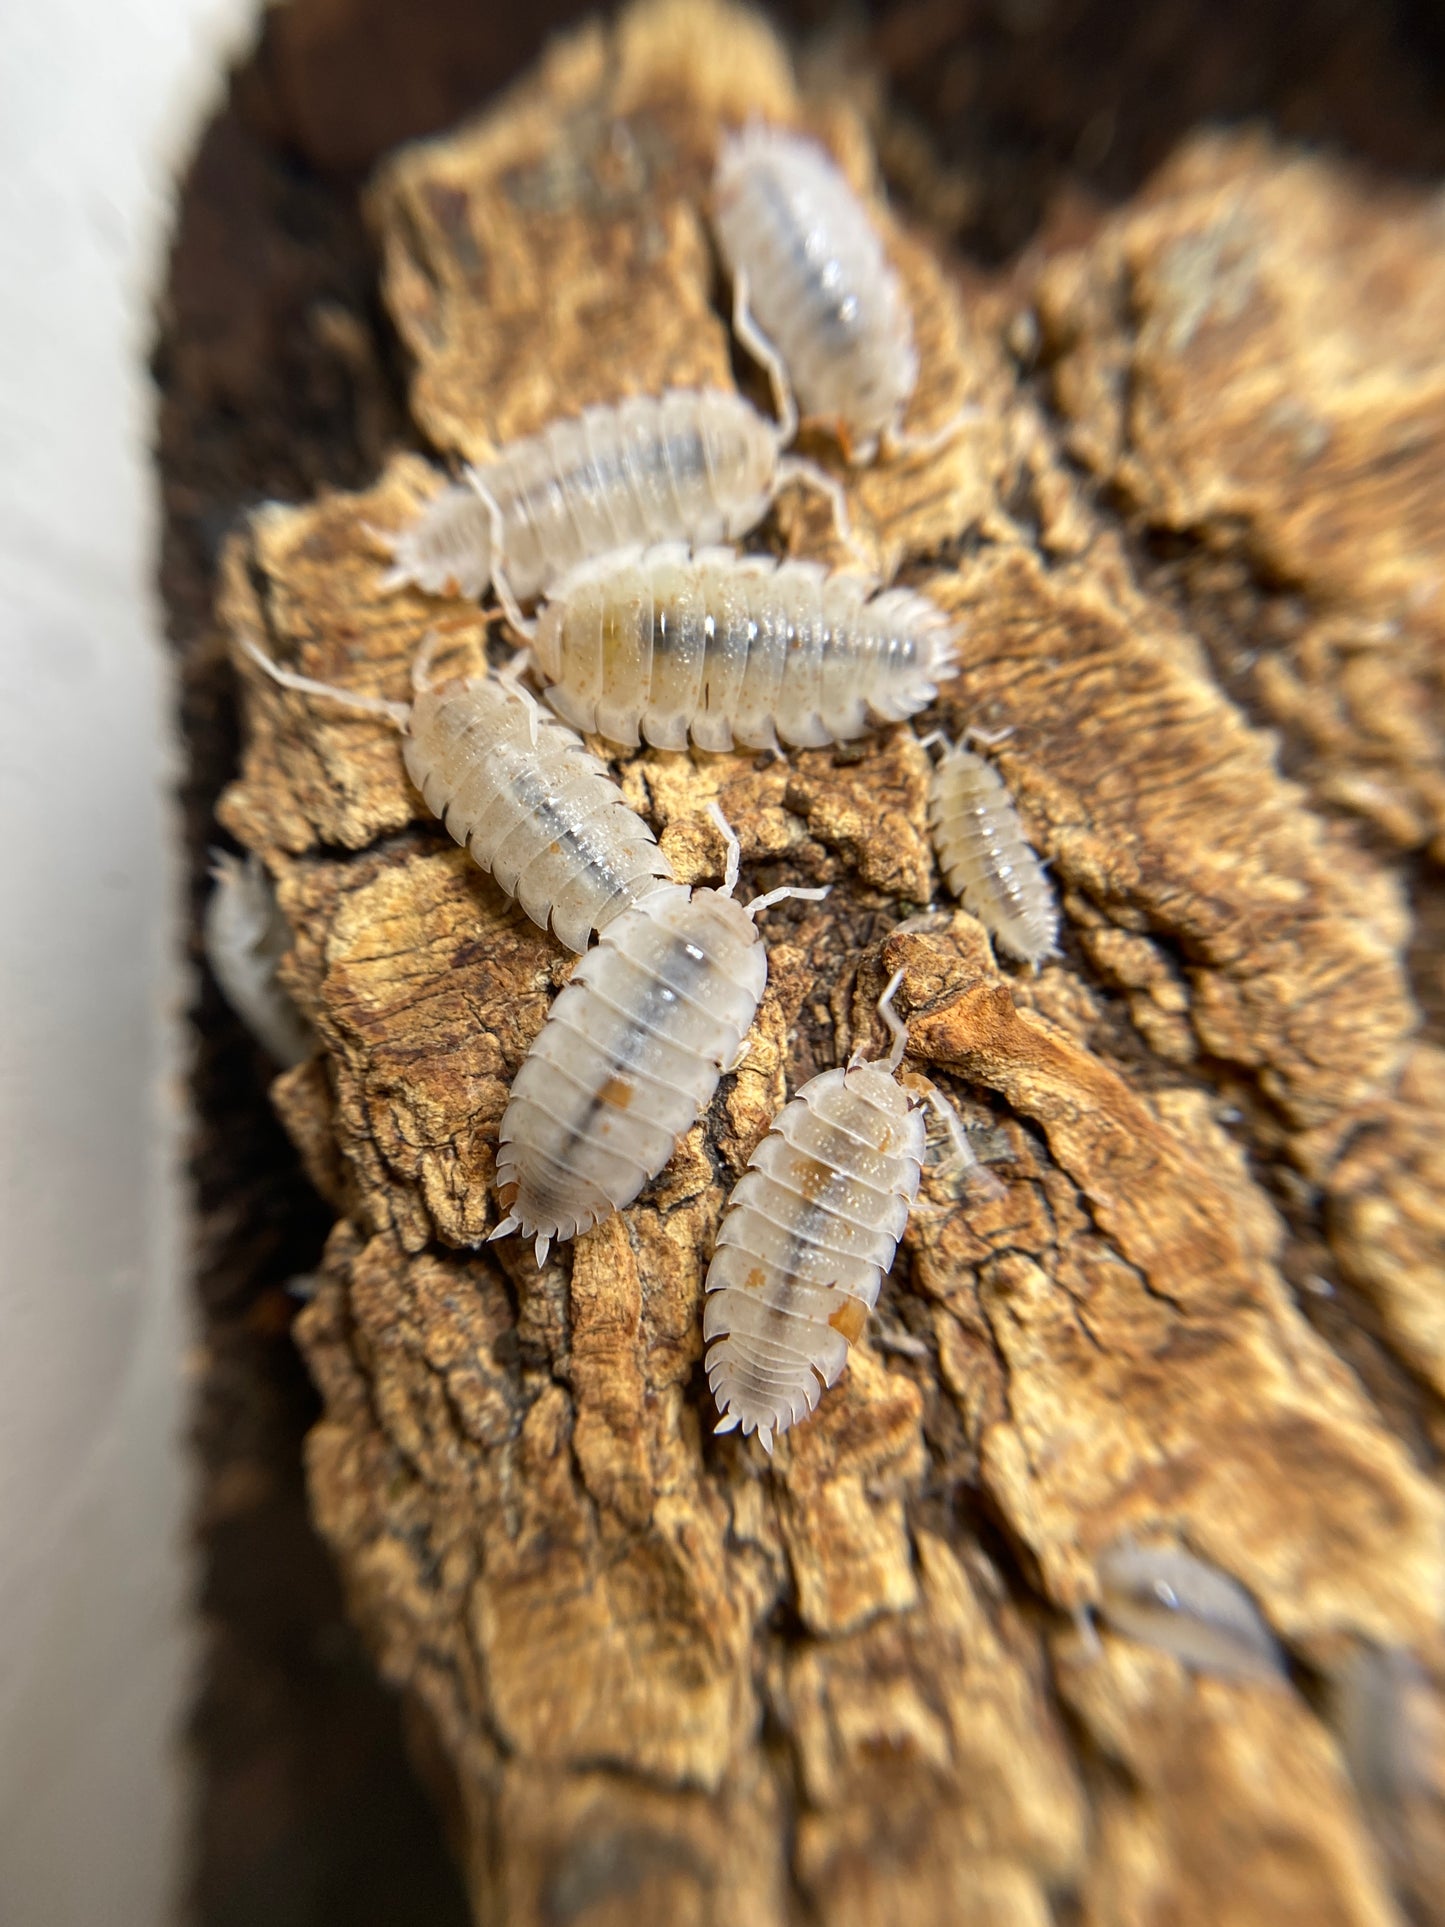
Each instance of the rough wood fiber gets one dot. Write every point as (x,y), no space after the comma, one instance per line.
(676,1682)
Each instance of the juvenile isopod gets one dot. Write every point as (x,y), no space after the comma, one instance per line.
(246,937)
(731,649)
(814,298)
(1165,1597)
(986,857)
(629,1056)
(525,796)
(695,465)
(807,1236)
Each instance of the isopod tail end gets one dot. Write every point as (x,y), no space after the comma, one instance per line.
(765,1439)
(505,1229)
(729,1423)
(541,1247)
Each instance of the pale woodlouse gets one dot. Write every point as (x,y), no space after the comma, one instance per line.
(695,465)
(661,644)
(630,1055)
(815,299)
(521,791)
(246,937)
(986,857)
(807,1236)
(1166,1597)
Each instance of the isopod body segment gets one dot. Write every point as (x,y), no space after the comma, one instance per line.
(817,282)
(663,645)
(694,465)
(987,859)
(1166,1597)
(246,937)
(629,1056)
(532,804)
(520,791)
(807,1236)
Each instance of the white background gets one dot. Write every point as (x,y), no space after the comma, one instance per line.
(100,103)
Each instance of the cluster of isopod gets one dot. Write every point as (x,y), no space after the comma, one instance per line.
(653,628)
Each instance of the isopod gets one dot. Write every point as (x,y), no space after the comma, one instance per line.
(1165,1597)
(986,857)
(697,465)
(629,1056)
(807,1236)
(246,937)
(526,797)
(815,300)
(734,649)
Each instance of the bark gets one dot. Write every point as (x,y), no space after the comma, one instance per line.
(1194,541)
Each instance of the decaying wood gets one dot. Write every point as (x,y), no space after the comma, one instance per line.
(678,1682)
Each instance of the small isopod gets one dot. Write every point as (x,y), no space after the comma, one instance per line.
(529,800)
(815,300)
(629,1056)
(1165,1597)
(246,937)
(807,1236)
(734,649)
(987,859)
(696,465)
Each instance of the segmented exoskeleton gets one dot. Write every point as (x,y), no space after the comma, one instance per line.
(1166,1597)
(807,1236)
(986,857)
(691,464)
(629,1056)
(661,644)
(530,802)
(815,300)
(246,937)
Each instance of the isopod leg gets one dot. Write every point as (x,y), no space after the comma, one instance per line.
(768,359)
(510,605)
(421,662)
(900,446)
(962,1159)
(796,468)
(989,738)
(734,848)
(510,678)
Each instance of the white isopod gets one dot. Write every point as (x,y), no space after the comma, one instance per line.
(807,1236)
(1165,1597)
(696,465)
(246,937)
(814,298)
(529,800)
(986,857)
(729,648)
(630,1056)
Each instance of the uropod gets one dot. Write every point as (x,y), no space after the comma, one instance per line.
(529,800)
(807,1236)
(727,648)
(986,857)
(691,464)
(630,1055)
(814,298)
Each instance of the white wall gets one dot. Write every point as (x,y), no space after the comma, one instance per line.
(100,101)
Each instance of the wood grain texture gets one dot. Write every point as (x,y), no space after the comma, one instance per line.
(677,1682)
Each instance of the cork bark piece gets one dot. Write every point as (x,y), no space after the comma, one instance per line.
(672,1679)
(1252,353)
